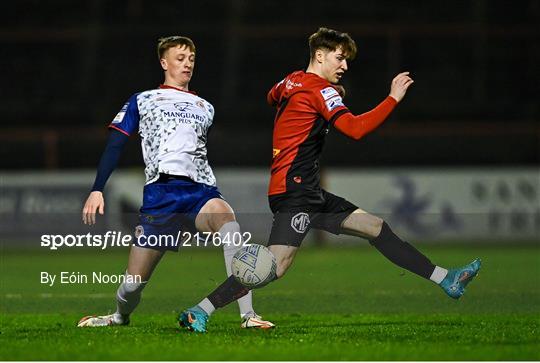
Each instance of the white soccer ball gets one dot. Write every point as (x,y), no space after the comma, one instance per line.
(254,266)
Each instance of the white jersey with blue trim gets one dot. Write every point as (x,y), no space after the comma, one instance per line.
(173,126)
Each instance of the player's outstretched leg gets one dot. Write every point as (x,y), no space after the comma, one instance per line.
(250,319)
(457,279)
(231,290)
(141,264)
(403,254)
(128,297)
(217,216)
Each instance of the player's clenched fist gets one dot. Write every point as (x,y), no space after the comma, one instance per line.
(399,86)
(94,202)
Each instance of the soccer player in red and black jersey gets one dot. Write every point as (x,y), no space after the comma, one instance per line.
(308,103)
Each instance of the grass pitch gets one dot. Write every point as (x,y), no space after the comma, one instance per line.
(334,304)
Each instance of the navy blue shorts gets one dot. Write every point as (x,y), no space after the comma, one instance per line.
(170,206)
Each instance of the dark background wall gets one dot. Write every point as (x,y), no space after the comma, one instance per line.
(68,67)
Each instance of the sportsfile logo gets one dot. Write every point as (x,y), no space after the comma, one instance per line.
(119,239)
(300,222)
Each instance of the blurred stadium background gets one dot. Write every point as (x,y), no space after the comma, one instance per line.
(464,143)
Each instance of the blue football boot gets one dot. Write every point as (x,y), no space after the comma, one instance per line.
(194,319)
(457,279)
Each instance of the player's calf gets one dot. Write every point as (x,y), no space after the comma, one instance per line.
(284,257)
(402,253)
(128,295)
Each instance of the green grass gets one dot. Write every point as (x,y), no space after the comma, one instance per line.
(334,304)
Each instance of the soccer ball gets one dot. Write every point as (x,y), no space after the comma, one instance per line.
(254,266)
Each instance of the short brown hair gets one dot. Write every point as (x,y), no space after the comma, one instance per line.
(329,39)
(166,43)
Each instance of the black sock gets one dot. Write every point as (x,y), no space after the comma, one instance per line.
(229,291)
(402,253)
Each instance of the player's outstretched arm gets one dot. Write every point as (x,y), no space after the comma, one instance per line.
(107,164)
(399,86)
(357,127)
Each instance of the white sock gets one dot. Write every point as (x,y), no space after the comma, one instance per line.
(438,274)
(207,306)
(128,296)
(245,303)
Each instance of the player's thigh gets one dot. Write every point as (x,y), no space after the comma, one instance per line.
(284,257)
(362,224)
(214,214)
(143,261)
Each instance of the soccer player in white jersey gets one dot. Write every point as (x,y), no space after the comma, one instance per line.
(180,192)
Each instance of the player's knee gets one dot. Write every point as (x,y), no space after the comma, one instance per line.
(219,215)
(213,221)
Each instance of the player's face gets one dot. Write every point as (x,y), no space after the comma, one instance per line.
(178,64)
(334,65)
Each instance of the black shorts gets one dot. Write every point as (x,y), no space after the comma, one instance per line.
(294,217)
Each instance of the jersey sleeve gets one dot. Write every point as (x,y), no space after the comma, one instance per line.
(127,120)
(109,159)
(328,103)
(358,126)
(274,94)
(211,110)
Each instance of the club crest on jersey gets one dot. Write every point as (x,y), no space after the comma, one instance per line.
(182,106)
(329,92)
(290,84)
(300,222)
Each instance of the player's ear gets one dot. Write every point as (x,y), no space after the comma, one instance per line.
(163,63)
(319,55)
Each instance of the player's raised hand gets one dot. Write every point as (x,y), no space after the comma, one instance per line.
(94,202)
(399,86)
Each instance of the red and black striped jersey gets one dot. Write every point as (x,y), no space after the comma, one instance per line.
(306,105)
